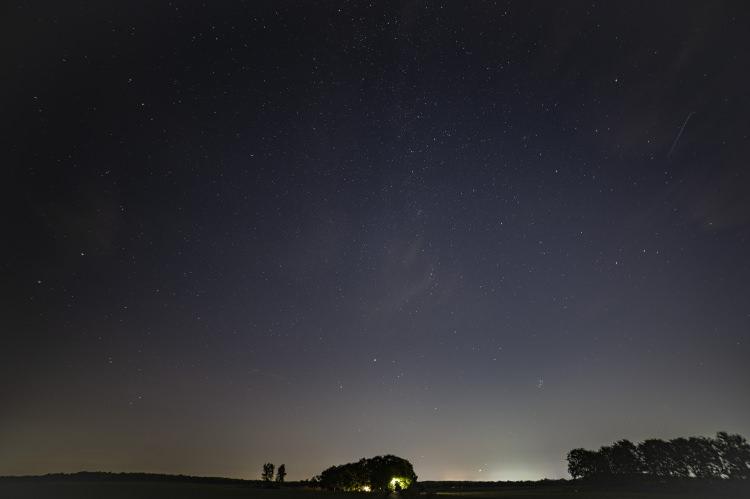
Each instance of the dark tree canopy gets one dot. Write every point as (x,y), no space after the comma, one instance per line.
(267,474)
(735,455)
(582,463)
(379,473)
(624,459)
(657,457)
(281,473)
(726,456)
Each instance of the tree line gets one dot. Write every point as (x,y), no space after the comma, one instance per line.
(726,456)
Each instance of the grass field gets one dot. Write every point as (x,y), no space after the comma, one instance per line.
(178,490)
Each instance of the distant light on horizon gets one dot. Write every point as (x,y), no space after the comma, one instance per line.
(506,469)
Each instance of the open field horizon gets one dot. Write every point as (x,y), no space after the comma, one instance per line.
(67,489)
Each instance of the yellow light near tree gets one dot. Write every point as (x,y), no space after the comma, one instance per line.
(399,483)
(366,488)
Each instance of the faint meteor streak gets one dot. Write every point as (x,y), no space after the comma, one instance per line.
(679,134)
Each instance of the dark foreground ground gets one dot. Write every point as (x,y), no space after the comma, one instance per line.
(152,490)
(177,490)
(561,489)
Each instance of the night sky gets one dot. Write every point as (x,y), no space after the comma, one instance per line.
(472,234)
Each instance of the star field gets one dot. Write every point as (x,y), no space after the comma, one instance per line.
(475,235)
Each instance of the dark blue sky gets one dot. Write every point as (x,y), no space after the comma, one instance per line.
(475,235)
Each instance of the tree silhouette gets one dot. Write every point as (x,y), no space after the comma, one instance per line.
(581,463)
(281,473)
(703,458)
(685,460)
(656,456)
(734,452)
(267,475)
(603,461)
(380,473)
(624,459)
(726,456)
